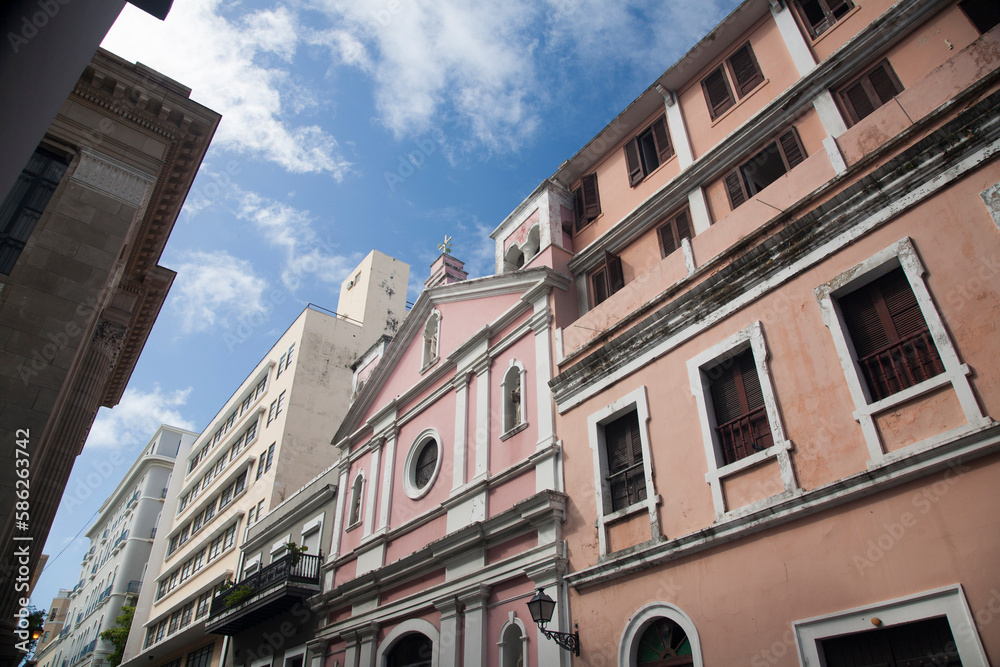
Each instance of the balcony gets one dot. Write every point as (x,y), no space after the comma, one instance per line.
(84,651)
(272,591)
(121,540)
(132,500)
(134,587)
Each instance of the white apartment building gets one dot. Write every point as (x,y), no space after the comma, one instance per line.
(120,542)
(268,440)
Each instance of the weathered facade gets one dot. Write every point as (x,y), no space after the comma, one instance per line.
(80,234)
(778,395)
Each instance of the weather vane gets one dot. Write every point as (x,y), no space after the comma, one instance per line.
(446,246)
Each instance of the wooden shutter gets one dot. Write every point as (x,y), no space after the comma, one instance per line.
(676,228)
(873,89)
(599,285)
(662,136)
(616,278)
(901,304)
(883,83)
(864,323)
(578,208)
(791,148)
(632,161)
(717,93)
(591,198)
(746,72)
(734,187)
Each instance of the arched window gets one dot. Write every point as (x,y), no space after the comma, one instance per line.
(412,650)
(354,514)
(531,244)
(512,393)
(513,260)
(513,643)
(660,635)
(432,330)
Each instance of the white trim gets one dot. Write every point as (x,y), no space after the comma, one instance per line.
(788,28)
(949,601)
(409,468)
(461,432)
(292,652)
(372,490)
(629,646)
(900,254)
(513,621)
(356,497)
(751,338)
(406,627)
(482,462)
(678,129)
(638,402)
(429,356)
(388,477)
(280,544)
(505,399)
(991,199)
(263,662)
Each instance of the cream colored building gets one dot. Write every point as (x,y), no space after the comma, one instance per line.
(269,439)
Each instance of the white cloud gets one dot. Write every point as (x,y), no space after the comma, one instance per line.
(215,289)
(240,68)
(135,419)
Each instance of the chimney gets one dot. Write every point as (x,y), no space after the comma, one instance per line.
(446,270)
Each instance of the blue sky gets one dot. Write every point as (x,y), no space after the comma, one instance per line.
(349,125)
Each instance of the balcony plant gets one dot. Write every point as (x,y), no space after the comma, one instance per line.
(295,553)
(238,595)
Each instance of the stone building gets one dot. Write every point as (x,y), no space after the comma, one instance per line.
(80,234)
(46,651)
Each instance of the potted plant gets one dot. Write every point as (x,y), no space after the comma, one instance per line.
(295,553)
(238,595)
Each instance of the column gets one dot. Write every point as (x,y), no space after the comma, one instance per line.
(373,484)
(482,371)
(461,384)
(549,576)
(798,49)
(366,651)
(387,478)
(701,219)
(678,128)
(475,624)
(448,643)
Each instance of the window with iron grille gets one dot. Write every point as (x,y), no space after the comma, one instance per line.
(674,229)
(769,164)
(740,73)
(892,343)
(868,92)
(607,279)
(819,15)
(626,477)
(25,203)
(741,425)
(647,150)
(586,201)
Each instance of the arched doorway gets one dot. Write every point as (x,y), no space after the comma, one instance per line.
(664,644)
(411,650)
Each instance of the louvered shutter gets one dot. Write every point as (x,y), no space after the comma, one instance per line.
(791,148)
(616,278)
(663,148)
(676,228)
(856,100)
(578,208)
(632,161)
(717,92)
(876,87)
(902,305)
(734,187)
(746,73)
(591,198)
(725,396)
(683,226)
(863,322)
(599,285)
(883,84)
(668,242)
(751,382)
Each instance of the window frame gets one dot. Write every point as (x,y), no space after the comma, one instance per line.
(670,224)
(635,163)
(586,202)
(738,173)
(902,254)
(356,499)
(735,89)
(508,429)
(431,342)
(12,239)
(830,19)
(635,401)
(752,337)
(410,487)
(846,106)
(613,274)
(635,627)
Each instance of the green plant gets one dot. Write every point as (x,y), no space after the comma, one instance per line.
(118,635)
(295,552)
(239,594)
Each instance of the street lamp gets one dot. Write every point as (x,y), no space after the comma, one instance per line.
(541,607)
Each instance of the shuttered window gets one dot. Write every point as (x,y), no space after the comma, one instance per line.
(623,445)
(768,165)
(893,345)
(868,92)
(586,201)
(26,201)
(740,73)
(819,15)
(608,279)
(740,417)
(984,14)
(647,150)
(676,227)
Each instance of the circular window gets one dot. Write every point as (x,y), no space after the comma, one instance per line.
(422,464)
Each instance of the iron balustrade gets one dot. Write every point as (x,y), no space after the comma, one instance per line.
(134,586)
(900,365)
(281,571)
(744,435)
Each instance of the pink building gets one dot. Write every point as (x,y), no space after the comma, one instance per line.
(778,395)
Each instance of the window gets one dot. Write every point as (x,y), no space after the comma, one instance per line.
(868,92)
(423,463)
(281,404)
(265,461)
(740,72)
(893,345)
(658,635)
(819,15)
(607,279)
(647,151)
(431,334)
(226,496)
(186,614)
(673,230)
(896,645)
(586,201)
(291,353)
(740,419)
(768,165)
(26,201)
(200,658)
(250,516)
(229,536)
(260,510)
(623,447)
(204,604)
(984,14)
(271,412)
(513,644)
(357,489)
(241,482)
(281,366)
(511,391)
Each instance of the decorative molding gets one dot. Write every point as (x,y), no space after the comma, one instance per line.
(991,197)
(113,178)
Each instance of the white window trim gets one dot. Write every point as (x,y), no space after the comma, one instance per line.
(750,338)
(635,400)
(629,647)
(352,523)
(263,662)
(410,467)
(425,628)
(949,601)
(252,563)
(902,254)
(280,545)
(508,431)
(293,652)
(430,357)
(312,526)
(512,619)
